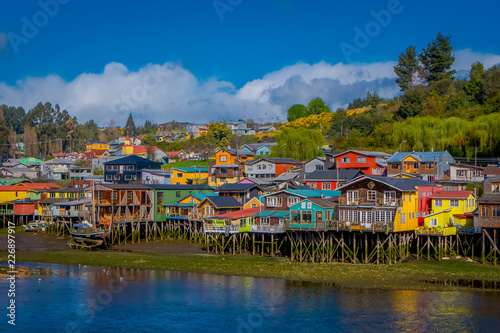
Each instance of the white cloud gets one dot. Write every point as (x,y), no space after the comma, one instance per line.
(162,93)
(465,58)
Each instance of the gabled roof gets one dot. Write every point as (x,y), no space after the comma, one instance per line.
(452,194)
(427,156)
(130,159)
(236,187)
(285,176)
(223,202)
(13,181)
(324,203)
(238,214)
(59,161)
(308,193)
(272,160)
(181,187)
(364,153)
(491,170)
(489,198)
(343,175)
(401,184)
(240,152)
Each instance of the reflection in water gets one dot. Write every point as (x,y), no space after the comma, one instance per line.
(78,299)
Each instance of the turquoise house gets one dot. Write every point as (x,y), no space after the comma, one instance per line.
(313,214)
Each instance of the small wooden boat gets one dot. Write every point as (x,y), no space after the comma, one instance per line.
(35,226)
(89,236)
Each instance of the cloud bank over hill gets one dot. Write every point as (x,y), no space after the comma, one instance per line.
(167,92)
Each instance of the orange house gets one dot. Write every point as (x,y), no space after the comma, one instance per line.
(226,168)
(372,163)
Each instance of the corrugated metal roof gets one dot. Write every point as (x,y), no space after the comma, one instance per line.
(223,202)
(238,214)
(343,175)
(451,194)
(426,156)
(236,187)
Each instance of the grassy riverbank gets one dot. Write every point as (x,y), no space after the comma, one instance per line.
(412,274)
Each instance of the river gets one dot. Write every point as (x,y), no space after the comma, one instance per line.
(56,298)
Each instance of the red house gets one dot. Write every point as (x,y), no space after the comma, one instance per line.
(424,201)
(371,163)
(329,179)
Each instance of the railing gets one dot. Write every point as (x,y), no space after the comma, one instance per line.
(181,216)
(194,216)
(468,230)
(436,231)
(308,225)
(7,211)
(376,203)
(362,226)
(223,229)
(268,228)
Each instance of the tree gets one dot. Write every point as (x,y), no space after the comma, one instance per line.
(130,128)
(296,111)
(4,139)
(411,103)
(437,59)
(298,143)
(317,106)
(217,134)
(490,85)
(13,117)
(476,77)
(406,68)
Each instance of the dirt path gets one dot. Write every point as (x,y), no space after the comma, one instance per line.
(42,241)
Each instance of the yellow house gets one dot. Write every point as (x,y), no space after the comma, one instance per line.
(226,167)
(97,146)
(10,193)
(188,176)
(449,210)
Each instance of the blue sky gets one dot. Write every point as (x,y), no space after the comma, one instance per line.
(207,60)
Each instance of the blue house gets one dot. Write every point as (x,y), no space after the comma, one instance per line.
(127,169)
(259,149)
(313,214)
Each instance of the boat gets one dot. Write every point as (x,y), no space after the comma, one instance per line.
(86,235)
(35,226)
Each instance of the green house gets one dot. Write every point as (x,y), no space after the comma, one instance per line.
(169,194)
(313,214)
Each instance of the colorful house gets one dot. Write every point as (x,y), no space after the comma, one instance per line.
(489,204)
(270,221)
(231,223)
(241,192)
(369,162)
(226,167)
(212,206)
(450,209)
(186,207)
(313,214)
(268,167)
(330,179)
(380,203)
(429,165)
(255,202)
(259,149)
(127,169)
(188,176)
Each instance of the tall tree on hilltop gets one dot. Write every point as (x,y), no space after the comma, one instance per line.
(4,139)
(317,106)
(476,76)
(406,68)
(296,111)
(130,128)
(437,59)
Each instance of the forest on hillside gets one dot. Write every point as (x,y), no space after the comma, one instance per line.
(436,111)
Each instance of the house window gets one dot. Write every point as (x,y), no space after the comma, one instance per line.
(223,158)
(295,216)
(415,165)
(395,165)
(409,196)
(403,218)
(209,210)
(117,177)
(292,201)
(346,159)
(128,177)
(114,195)
(265,220)
(253,205)
(178,194)
(495,211)
(129,195)
(352,197)
(461,173)
(273,201)
(129,167)
(390,198)
(159,198)
(371,195)
(223,170)
(433,222)
(365,216)
(51,195)
(326,186)
(313,185)
(495,187)
(438,203)
(485,211)
(319,166)
(377,171)
(454,203)
(109,177)
(306,216)
(430,165)
(361,159)
(249,168)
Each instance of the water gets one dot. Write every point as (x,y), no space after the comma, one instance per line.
(90,299)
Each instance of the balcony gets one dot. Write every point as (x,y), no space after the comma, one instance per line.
(7,211)
(272,229)
(374,203)
(221,229)
(309,225)
(362,226)
(176,216)
(436,231)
